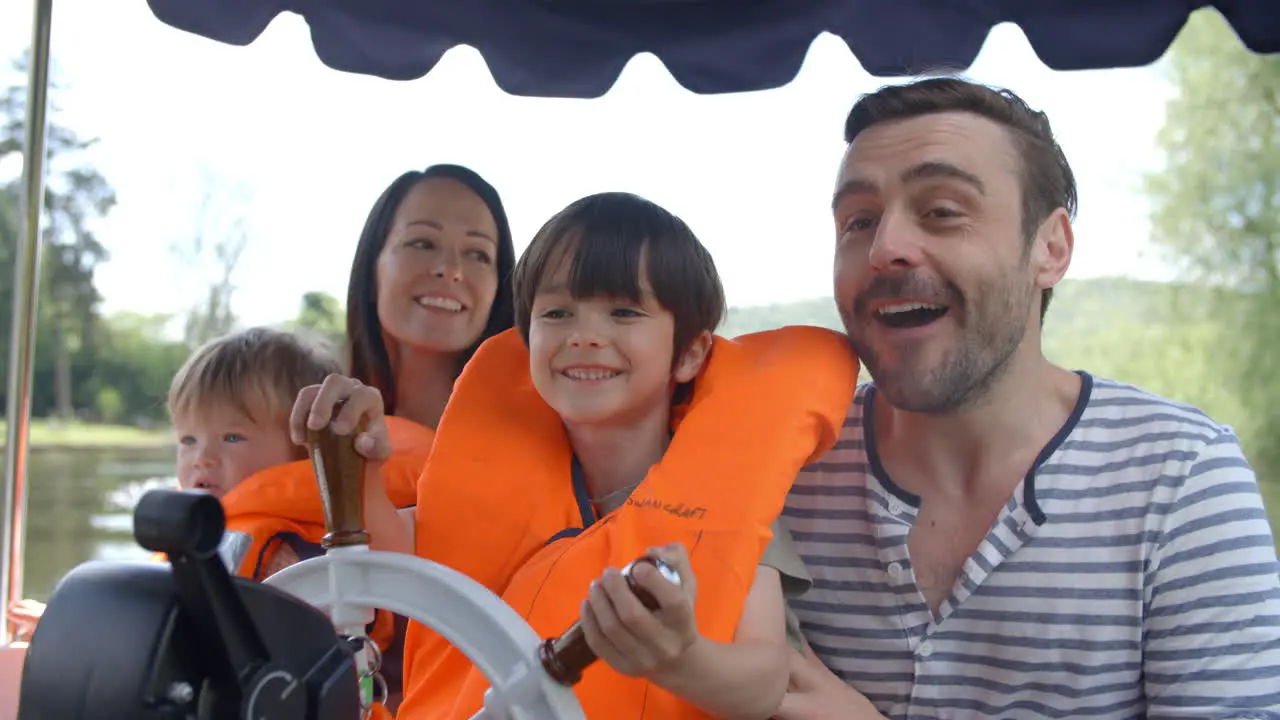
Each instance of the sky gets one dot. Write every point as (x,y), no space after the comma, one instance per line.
(299,152)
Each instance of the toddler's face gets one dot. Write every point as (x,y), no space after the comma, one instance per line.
(220,447)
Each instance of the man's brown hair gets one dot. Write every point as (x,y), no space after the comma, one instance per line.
(1047,182)
(258,372)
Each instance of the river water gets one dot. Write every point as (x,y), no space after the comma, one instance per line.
(79,507)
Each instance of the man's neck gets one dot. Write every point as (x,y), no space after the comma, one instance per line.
(424,381)
(987,444)
(615,459)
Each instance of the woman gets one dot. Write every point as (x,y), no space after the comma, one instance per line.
(430,282)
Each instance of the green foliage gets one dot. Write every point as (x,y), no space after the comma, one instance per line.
(322,315)
(76,196)
(1216,213)
(110,405)
(138,360)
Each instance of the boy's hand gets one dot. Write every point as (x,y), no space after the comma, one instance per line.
(625,634)
(313,410)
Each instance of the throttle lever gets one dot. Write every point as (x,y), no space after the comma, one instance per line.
(187,526)
(340,474)
(566,657)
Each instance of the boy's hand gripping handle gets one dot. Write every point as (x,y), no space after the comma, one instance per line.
(565,657)
(340,473)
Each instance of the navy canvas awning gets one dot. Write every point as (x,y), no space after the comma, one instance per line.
(577,48)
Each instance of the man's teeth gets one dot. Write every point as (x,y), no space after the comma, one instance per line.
(441,303)
(578,374)
(908,307)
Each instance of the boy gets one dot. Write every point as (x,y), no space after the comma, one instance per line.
(616,300)
(229,404)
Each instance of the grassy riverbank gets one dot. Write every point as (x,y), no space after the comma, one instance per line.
(47,434)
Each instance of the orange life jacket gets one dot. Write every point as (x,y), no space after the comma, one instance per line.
(282,505)
(496,501)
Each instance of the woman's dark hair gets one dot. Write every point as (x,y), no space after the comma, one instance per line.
(370,360)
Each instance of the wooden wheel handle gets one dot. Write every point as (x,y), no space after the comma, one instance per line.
(340,474)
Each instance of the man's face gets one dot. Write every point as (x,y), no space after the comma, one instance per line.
(935,282)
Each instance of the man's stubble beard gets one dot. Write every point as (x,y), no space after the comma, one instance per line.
(966,374)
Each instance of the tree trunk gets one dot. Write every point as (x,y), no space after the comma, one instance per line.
(64,407)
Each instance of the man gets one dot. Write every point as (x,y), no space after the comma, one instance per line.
(994,536)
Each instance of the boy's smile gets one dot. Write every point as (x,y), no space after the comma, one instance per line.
(585,373)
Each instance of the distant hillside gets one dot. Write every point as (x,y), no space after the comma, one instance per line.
(1076,304)
(1157,335)
(818,311)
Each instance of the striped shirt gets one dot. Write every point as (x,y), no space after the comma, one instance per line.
(1132,574)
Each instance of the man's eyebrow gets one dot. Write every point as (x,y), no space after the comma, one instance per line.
(924,171)
(936,170)
(853,186)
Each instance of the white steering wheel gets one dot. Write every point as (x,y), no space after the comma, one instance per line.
(349,582)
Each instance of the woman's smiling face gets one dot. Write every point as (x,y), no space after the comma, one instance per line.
(437,273)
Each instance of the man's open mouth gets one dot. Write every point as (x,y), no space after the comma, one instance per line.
(909,314)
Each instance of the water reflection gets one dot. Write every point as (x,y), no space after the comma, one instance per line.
(80,505)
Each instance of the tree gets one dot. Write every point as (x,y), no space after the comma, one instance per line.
(1216,211)
(137,364)
(322,315)
(8,260)
(213,250)
(76,196)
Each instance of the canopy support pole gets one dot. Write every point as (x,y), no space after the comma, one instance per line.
(26,290)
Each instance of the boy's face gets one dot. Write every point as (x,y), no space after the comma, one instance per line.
(218,448)
(606,361)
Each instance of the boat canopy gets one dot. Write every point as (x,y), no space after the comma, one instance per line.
(577,48)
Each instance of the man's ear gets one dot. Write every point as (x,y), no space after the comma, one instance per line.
(694,357)
(1054,246)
